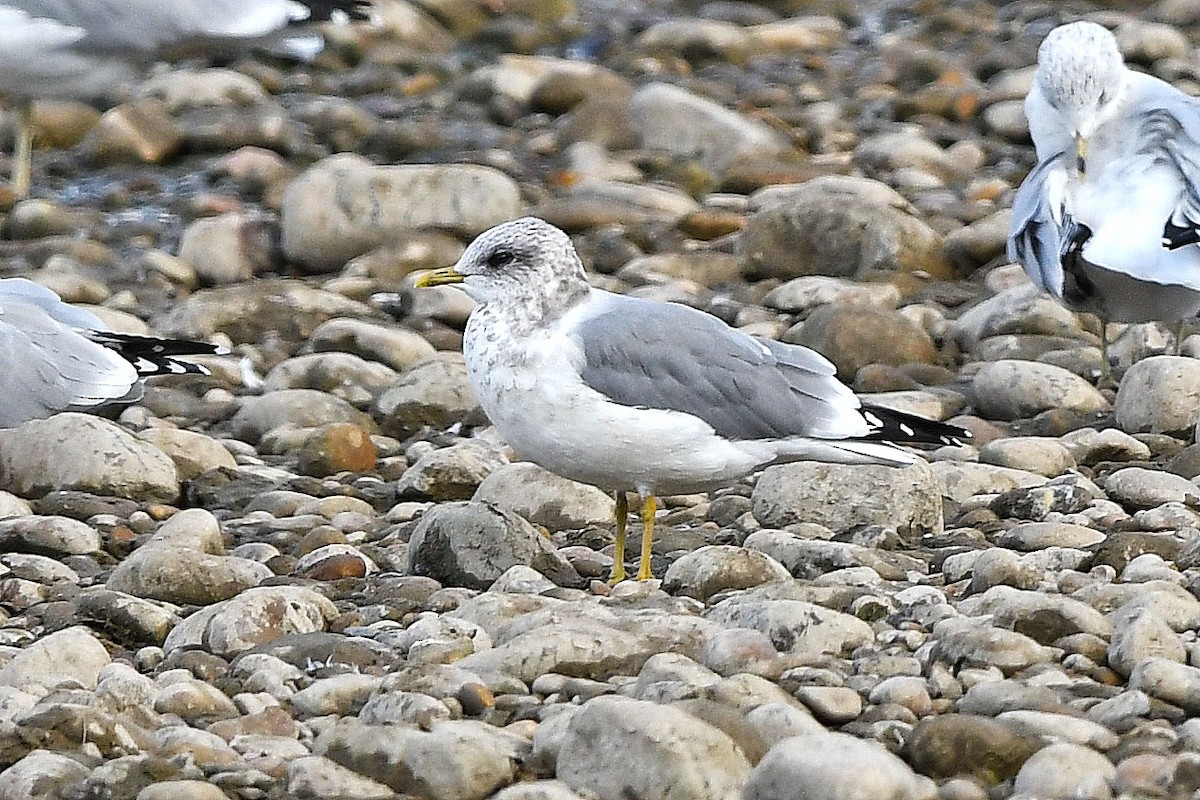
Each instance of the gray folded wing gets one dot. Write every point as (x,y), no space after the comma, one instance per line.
(1036,233)
(668,356)
(46,365)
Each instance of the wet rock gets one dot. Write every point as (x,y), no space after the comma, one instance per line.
(471,544)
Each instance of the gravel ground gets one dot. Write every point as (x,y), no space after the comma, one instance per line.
(318,573)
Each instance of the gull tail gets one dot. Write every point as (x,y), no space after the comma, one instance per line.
(153,356)
(897,427)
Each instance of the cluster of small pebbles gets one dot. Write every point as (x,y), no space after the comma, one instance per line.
(319,574)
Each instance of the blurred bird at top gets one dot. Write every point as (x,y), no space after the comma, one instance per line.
(83,49)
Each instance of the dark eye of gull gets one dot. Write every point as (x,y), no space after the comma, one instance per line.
(501,258)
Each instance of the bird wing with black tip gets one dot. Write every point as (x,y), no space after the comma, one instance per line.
(153,356)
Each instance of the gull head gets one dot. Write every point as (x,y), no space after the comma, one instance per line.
(523,261)
(1081,73)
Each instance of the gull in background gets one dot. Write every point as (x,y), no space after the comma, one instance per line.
(83,49)
(57,357)
(636,395)
(1108,221)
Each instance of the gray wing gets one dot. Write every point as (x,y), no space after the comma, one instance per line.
(46,366)
(1036,235)
(1168,128)
(668,356)
(147,25)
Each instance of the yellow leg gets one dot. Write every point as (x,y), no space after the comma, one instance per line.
(23,156)
(649,506)
(622,515)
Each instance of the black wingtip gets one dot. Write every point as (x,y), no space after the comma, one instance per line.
(898,427)
(153,356)
(1177,236)
(325,10)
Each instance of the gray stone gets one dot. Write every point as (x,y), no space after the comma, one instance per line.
(976,642)
(1160,394)
(451,473)
(544,498)
(794,626)
(344,206)
(72,654)
(41,775)
(318,778)
(254,617)
(834,766)
(841,496)
(1138,487)
(84,453)
(459,759)
(343,375)
(666,117)
(1038,454)
(1169,681)
(1011,389)
(949,746)
(435,392)
(398,348)
(1065,770)
(712,569)
(193,452)
(616,748)
(1043,617)
(471,544)
(301,408)
(50,536)
(228,248)
(182,576)
(803,294)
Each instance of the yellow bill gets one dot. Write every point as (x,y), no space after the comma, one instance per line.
(440,277)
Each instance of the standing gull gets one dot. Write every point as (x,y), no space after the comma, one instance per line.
(1109,219)
(56,357)
(83,49)
(638,395)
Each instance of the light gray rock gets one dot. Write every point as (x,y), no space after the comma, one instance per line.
(715,568)
(544,498)
(84,453)
(1020,309)
(841,496)
(1090,446)
(178,89)
(227,248)
(1038,454)
(72,654)
(1011,389)
(834,766)
(1160,394)
(300,408)
(344,206)
(471,544)
(318,778)
(256,616)
(1139,635)
(397,348)
(812,558)
(1031,536)
(435,392)
(193,452)
(672,119)
(459,759)
(835,228)
(1169,681)
(961,480)
(1043,617)
(1138,487)
(50,536)
(40,775)
(1062,727)
(1065,770)
(616,748)
(803,294)
(794,626)
(976,642)
(343,375)
(537,790)
(451,473)
(182,576)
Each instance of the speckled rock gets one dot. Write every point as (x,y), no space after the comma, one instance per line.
(616,747)
(834,766)
(1159,394)
(1011,389)
(839,496)
(77,451)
